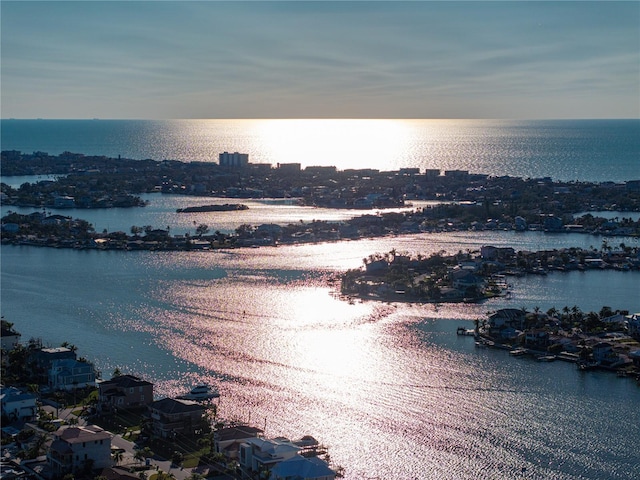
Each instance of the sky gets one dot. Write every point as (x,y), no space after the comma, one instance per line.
(323,59)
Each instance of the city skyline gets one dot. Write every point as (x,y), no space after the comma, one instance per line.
(320,59)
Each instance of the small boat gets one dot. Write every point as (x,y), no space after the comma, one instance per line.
(201,392)
(470,332)
(517,352)
(546,358)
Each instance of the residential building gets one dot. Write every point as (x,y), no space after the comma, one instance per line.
(40,360)
(463,279)
(171,417)
(227,441)
(302,468)
(603,353)
(64,202)
(77,449)
(258,454)
(235,159)
(507,317)
(536,339)
(17,405)
(67,374)
(633,325)
(489,252)
(43,357)
(124,392)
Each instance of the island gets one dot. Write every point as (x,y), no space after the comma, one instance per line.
(227,207)
(471,276)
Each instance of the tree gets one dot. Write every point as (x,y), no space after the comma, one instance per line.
(117,456)
(244,231)
(177,457)
(605,312)
(202,229)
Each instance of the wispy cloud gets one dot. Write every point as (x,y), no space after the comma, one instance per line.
(295,59)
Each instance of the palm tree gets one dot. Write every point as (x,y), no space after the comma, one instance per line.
(117,456)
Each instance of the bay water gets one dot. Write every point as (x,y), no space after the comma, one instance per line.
(388,387)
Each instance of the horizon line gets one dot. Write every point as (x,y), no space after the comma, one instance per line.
(316,118)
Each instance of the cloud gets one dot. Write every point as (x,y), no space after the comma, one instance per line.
(260,59)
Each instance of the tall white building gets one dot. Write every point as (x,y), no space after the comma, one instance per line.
(235,159)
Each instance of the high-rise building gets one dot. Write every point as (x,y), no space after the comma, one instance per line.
(234,160)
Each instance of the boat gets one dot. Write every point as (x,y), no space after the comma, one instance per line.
(517,352)
(546,358)
(201,392)
(470,332)
(584,366)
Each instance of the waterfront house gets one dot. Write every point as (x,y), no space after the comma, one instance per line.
(489,252)
(603,353)
(68,374)
(40,360)
(64,202)
(509,317)
(77,449)
(299,467)
(171,417)
(56,220)
(464,279)
(538,339)
(635,357)
(257,454)
(632,324)
(227,440)
(124,392)
(17,405)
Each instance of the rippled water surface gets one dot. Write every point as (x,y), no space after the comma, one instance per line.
(389,387)
(391,381)
(592,150)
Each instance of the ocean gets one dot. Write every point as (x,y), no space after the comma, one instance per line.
(584,150)
(388,387)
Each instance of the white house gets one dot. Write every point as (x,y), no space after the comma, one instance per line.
(79,448)
(17,405)
(257,454)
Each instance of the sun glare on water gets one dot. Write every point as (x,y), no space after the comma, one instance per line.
(349,143)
